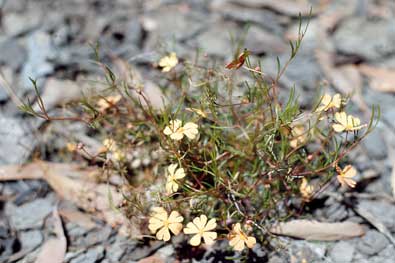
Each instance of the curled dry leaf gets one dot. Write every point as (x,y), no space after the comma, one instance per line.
(54,250)
(381,79)
(313,230)
(71,182)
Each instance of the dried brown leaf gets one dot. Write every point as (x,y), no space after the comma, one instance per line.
(77,217)
(381,79)
(54,250)
(313,230)
(72,182)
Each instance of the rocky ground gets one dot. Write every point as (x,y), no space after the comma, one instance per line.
(350,45)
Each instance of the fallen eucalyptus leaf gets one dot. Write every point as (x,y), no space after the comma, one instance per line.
(381,79)
(74,183)
(54,250)
(313,230)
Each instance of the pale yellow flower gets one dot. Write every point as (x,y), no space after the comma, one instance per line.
(306,189)
(176,131)
(173,175)
(168,62)
(111,147)
(327,102)
(299,136)
(109,144)
(71,147)
(346,122)
(105,103)
(238,239)
(345,176)
(201,229)
(161,223)
(197,111)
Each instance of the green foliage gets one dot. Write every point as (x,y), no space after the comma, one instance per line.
(251,153)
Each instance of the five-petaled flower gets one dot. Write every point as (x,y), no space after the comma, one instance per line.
(328,102)
(160,220)
(346,122)
(345,176)
(306,190)
(168,62)
(201,229)
(238,239)
(176,130)
(173,175)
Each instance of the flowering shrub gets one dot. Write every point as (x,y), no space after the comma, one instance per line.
(231,155)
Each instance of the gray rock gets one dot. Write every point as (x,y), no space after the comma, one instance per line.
(389,117)
(375,37)
(216,40)
(13,54)
(16,141)
(16,24)
(30,215)
(342,252)
(381,210)
(30,239)
(261,41)
(166,251)
(276,259)
(75,231)
(296,73)
(375,145)
(336,212)
(119,247)
(40,51)
(169,23)
(262,17)
(8,75)
(96,236)
(387,255)
(372,243)
(91,256)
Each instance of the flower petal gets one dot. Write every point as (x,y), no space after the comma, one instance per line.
(341,117)
(200,222)
(195,240)
(211,224)
(336,101)
(338,127)
(180,173)
(177,136)
(175,228)
(209,237)
(167,131)
(175,217)
(171,169)
(349,171)
(163,234)
(239,246)
(251,241)
(191,228)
